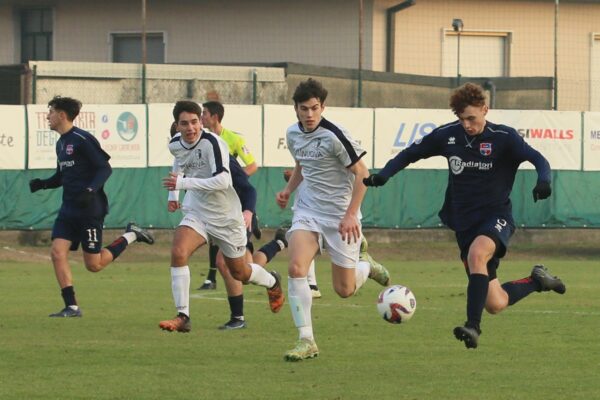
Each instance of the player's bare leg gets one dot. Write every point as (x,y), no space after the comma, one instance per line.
(59,254)
(185,241)
(235,295)
(257,275)
(304,246)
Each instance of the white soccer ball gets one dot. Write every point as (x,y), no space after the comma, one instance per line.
(396,304)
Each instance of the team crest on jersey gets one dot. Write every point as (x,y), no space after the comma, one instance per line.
(485,149)
(69,149)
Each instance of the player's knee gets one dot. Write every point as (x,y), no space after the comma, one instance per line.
(57,256)
(93,266)
(477,262)
(295,270)
(240,275)
(344,291)
(179,255)
(495,307)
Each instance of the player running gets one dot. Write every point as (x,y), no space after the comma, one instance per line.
(483,159)
(82,169)
(211,210)
(328,172)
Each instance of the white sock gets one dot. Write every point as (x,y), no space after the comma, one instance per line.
(261,276)
(130,237)
(312,278)
(300,300)
(361,274)
(180,285)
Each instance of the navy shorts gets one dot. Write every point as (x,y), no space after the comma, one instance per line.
(84,230)
(496,228)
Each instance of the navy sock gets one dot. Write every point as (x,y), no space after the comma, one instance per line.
(212,258)
(520,289)
(270,249)
(117,247)
(236,305)
(68,295)
(476,294)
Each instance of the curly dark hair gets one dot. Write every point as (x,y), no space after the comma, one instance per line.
(469,94)
(69,105)
(308,89)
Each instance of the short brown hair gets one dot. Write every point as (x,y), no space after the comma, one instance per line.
(186,106)
(68,105)
(469,94)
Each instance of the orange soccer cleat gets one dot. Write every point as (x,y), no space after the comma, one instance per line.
(180,323)
(276,297)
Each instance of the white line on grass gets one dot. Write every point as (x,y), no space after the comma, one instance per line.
(7,248)
(319,303)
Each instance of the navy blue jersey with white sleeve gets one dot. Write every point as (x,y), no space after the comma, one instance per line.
(81,165)
(482,170)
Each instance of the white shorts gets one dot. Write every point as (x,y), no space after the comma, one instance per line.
(341,253)
(230,239)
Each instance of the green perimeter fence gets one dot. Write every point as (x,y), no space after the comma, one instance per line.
(410,200)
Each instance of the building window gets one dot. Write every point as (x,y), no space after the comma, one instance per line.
(482,54)
(36,34)
(127,48)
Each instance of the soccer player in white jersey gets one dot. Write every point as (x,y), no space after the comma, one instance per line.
(328,174)
(211,210)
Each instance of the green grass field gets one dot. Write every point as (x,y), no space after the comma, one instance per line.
(545,347)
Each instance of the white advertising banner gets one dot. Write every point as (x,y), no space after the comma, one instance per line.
(398,128)
(247,121)
(12,137)
(277,118)
(555,134)
(359,123)
(243,119)
(120,129)
(160,119)
(591,141)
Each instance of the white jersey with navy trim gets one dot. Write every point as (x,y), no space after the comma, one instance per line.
(325,155)
(208,157)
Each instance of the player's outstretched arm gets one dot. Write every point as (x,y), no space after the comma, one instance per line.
(349,226)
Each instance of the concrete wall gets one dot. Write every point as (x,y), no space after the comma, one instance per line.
(107,83)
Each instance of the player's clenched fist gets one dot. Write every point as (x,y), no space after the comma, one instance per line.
(375,180)
(282,198)
(170,182)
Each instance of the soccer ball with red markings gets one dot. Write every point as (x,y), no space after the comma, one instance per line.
(396,304)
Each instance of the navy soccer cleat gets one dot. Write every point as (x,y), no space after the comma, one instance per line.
(208,285)
(233,323)
(141,234)
(67,312)
(468,335)
(547,282)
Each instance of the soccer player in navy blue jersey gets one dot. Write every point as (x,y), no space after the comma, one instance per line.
(483,159)
(82,170)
